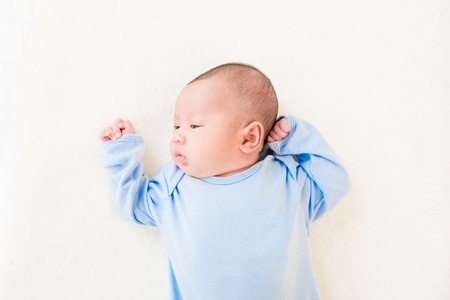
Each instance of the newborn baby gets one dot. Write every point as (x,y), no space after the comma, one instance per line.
(235,219)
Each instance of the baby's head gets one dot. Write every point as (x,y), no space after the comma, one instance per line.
(222,120)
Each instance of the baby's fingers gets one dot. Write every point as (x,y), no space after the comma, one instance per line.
(120,123)
(105,134)
(129,129)
(284,125)
(116,132)
(279,131)
(278,134)
(274,137)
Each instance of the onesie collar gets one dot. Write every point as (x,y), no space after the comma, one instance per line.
(233,178)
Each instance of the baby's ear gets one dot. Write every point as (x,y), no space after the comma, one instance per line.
(252,138)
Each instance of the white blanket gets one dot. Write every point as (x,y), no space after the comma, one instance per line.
(373,77)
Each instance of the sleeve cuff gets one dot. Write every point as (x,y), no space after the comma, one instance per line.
(123,138)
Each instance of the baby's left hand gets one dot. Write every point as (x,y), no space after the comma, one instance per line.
(279,131)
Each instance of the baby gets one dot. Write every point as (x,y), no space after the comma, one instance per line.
(235,219)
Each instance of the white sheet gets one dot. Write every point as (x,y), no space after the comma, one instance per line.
(372,76)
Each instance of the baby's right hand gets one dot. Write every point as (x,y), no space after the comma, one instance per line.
(116,130)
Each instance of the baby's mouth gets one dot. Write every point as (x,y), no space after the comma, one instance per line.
(179,157)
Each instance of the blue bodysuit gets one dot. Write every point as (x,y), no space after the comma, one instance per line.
(245,236)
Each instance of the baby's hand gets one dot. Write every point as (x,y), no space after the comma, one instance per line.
(116,130)
(279,131)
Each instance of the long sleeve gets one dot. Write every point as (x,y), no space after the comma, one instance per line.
(317,168)
(136,198)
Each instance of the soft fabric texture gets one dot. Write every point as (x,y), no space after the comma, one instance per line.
(245,236)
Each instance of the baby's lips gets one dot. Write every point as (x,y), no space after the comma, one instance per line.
(179,157)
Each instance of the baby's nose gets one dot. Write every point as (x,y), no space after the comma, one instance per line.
(178,138)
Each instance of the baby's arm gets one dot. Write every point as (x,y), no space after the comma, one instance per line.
(136,198)
(318,169)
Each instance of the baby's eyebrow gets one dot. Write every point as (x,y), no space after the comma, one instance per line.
(187,115)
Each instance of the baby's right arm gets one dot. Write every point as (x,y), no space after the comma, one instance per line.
(116,130)
(135,197)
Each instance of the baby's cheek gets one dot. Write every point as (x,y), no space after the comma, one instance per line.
(207,157)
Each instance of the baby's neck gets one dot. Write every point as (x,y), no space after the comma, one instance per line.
(246,167)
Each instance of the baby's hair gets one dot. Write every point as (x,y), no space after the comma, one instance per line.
(256,94)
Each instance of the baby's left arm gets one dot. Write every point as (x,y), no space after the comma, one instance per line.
(317,168)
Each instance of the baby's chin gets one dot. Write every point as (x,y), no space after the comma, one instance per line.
(187,169)
(196,172)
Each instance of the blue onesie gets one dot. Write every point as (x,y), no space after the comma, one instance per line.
(245,236)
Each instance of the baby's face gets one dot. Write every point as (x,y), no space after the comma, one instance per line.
(205,141)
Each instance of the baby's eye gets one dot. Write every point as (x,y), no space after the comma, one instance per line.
(176,127)
(194,126)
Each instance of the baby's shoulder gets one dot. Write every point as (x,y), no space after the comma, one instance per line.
(172,175)
(169,168)
(280,163)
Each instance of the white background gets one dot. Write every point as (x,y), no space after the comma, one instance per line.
(373,76)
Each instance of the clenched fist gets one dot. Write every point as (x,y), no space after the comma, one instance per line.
(279,131)
(116,130)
